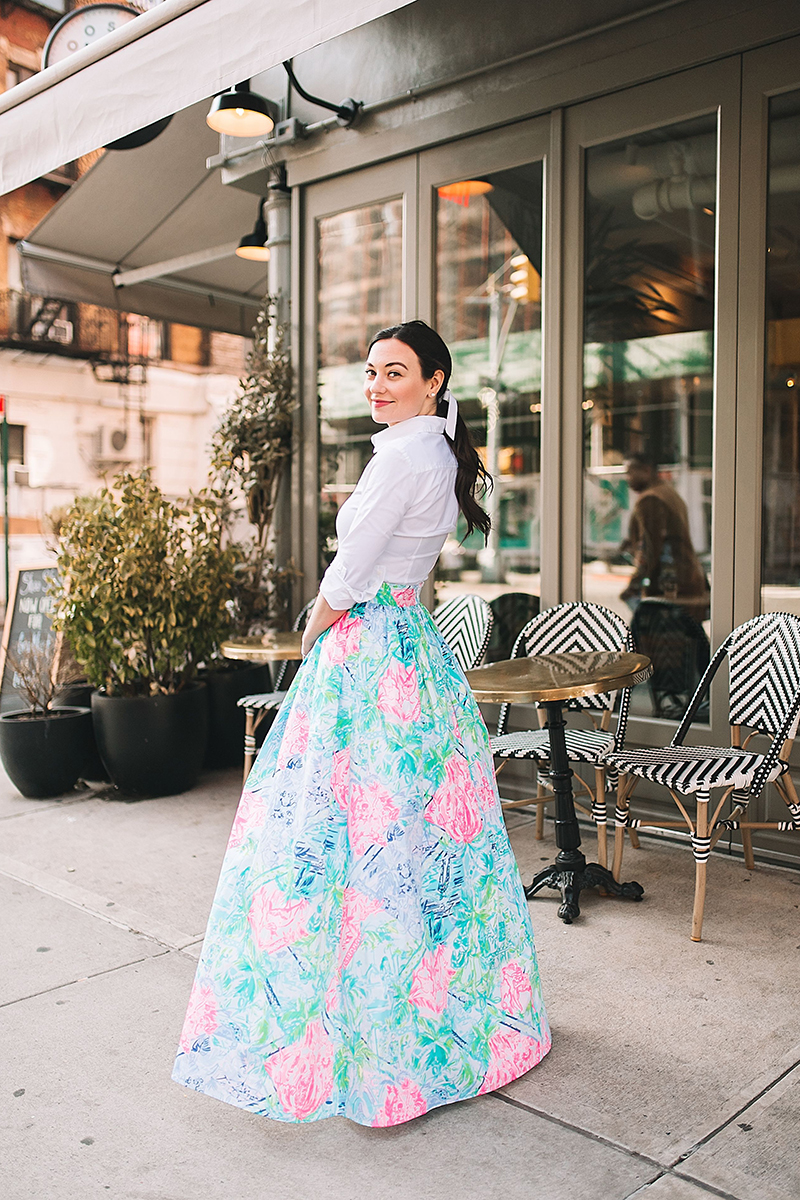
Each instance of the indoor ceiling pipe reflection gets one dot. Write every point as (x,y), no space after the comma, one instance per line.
(626,171)
(623,171)
(670,195)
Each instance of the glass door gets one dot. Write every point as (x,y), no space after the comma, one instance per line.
(769,513)
(650,388)
(768,426)
(360,238)
(482,217)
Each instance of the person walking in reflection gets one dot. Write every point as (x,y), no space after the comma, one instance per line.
(660,543)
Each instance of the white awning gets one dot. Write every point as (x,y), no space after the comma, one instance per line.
(176,54)
(153,231)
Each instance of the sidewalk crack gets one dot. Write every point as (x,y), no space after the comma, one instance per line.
(85,978)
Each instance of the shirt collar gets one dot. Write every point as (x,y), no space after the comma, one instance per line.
(411,427)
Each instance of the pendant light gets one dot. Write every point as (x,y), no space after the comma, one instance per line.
(463,190)
(242,113)
(254,245)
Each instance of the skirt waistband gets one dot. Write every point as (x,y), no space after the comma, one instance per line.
(399,595)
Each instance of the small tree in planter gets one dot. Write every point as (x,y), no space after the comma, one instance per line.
(145,587)
(44,748)
(250,451)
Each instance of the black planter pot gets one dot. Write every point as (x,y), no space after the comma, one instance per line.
(225,747)
(45,756)
(81,696)
(152,745)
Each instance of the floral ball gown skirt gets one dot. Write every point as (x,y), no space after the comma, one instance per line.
(369,952)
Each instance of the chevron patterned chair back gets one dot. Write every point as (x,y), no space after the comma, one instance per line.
(465,623)
(564,629)
(511,612)
(257,706)
(763,658)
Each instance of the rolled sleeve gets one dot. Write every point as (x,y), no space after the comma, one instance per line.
(355,574)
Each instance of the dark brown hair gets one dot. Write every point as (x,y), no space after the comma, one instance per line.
(471,477)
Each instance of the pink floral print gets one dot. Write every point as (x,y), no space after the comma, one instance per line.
(340,777)
(295,737)
(487,790)
(250,815)
(515,988)
(512,1054)
(455,807)
(371,811)
(403,1102)
(398,693)
(201,1015)
(405,597)
(343,639)
(356,907)
(277,923)
(430,981)
(303,1072)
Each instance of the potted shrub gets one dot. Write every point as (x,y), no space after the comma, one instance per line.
(250,450)
(45,749)
(145,586)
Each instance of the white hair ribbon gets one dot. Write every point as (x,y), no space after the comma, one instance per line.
(452,415)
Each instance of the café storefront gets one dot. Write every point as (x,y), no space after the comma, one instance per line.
(601,214)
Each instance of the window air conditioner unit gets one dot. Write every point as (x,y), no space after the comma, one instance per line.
(19,475)
(116,444)
(61,331)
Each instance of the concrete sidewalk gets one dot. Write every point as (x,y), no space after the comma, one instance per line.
(674,1074)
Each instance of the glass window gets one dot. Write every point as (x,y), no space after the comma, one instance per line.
(360,273)
(144,337)
(488,304)
(648,396)
(16,74)
(780,567)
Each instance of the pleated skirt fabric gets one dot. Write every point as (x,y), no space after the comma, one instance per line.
(369,952)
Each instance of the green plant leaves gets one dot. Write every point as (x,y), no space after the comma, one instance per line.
(145,585)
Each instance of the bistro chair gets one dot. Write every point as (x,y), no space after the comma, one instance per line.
(257,706)
(511,612)
(764,698)
(465,623)
(564,629)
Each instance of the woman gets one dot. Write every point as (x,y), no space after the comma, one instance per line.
(369,951)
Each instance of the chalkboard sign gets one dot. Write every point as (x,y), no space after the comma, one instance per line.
(28,622)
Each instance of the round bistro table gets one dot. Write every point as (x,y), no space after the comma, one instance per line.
(550,680)
(271,647)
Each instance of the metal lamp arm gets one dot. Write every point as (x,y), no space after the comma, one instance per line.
(346,112)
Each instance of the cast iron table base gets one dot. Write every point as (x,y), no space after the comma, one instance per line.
(571,873)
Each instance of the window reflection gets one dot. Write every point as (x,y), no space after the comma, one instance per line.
(647,400)
(780,576)
(489,260)
(360,291)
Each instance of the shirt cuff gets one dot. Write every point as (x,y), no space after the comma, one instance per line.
(340,594)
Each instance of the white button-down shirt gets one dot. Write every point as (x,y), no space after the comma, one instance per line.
(393,525)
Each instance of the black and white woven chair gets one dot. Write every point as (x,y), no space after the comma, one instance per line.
(465,623)
(764,698)
(565,629)
(257,706)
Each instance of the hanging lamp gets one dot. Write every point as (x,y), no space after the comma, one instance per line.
(242,113)
(254,245)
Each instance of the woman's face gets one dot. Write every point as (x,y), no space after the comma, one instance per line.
(394,384)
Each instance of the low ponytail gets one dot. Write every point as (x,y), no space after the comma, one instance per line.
(472,478)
